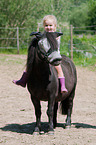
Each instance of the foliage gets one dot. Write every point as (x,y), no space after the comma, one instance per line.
(84,49)
(91,19)
(21,13)
(85,15)
(79,16)
(28,14)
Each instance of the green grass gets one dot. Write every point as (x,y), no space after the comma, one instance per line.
(13,51)
(85,43)
(11,60)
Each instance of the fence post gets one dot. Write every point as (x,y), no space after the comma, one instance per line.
(71,42)
(38,28)
(17,40)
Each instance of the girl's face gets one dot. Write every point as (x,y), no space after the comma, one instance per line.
(49,26)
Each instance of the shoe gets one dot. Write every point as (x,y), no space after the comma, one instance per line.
(62,83)
(22,82)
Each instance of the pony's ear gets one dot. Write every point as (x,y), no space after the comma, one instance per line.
(37,34)
(57,34)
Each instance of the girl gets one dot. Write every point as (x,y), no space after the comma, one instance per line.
(49,23)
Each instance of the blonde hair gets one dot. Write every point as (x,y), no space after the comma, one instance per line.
(51,18)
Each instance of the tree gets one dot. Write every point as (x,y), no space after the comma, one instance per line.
(79,16)
(91,20)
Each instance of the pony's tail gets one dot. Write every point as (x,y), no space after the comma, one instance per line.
(65,105)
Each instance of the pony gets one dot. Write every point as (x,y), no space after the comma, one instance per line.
(43,85)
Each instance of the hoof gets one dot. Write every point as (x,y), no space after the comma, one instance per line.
(67,126)
(51,133)
(41,132)
(35,133)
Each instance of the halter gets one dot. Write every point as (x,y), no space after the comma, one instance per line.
(45,53)
(42,55)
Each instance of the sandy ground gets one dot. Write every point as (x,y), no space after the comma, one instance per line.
(17,119)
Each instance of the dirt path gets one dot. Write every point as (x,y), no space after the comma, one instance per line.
(17,119)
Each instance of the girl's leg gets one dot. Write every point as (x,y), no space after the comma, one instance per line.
(23,80)
(61,78)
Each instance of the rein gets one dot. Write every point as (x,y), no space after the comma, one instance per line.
(44,50)
(42,55)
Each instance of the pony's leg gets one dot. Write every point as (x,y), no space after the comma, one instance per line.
(37,107)
(68,119)
(55,114)
(69,112)
(50,112)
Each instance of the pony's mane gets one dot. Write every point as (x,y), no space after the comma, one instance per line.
(30,55)
(51,37)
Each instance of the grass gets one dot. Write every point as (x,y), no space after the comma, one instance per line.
(78,58)
(13,51)
(11,59)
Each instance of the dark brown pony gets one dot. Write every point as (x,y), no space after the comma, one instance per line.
(43,85)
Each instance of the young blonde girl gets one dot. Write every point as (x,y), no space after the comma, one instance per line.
(50,24)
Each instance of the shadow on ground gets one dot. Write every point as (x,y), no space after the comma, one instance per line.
(29,128)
